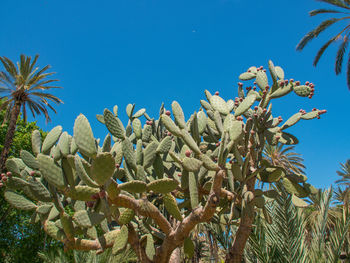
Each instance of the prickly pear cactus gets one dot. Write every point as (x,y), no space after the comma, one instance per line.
(145,187)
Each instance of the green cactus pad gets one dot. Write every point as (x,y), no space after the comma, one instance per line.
(87,218)
(102,168)
(188,139)
(206,105)
(137,127)
(36,142)
(150,250)
(73,147)
(115,110)
(114,125)
(188,247)
(261,79)
(245,105)
(51,139)
(259,201)
(18,201)
(271,193)
(55,153)
(158,166)
(44,209)
(279,72)
(170,125)
(126,216)
(219,104)
(281,91)
(118,150)
(139,113)
(84,137)
(53,231)
(146,133)
(130,109)
(298,201)
(12,166)
(192,184)
(272,71)
(100,118)
(150,154)
(171,206)
(302,90)
(202,121)
(129,154)
(51,171)
(310,115)
(178,115)
(247,76)
(121,240)
(294,188)
(82,174)
(191,164)
(236,130)
(29,160)
(291,121)
(39,191)
(133,186)
(165,145)
(83,193)
(64,144)
(208,163)
(106,146)
(271,175)
(237,172)
(16,183)
(162,186)
(288,139)
(68,170)
(67,224)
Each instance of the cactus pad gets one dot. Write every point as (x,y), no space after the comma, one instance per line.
(18,201)
(162,186)
(51,139)
(133,186)
(102,168)
(121,240)
(84,137)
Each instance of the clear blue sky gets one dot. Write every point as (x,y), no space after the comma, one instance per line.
(111,52)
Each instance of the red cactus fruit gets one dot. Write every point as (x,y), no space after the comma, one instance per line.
(188,153)
(168,113)
(217,93)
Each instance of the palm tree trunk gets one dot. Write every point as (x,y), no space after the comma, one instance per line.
(9,135)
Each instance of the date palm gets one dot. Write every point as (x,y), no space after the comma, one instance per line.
(344,194)
(291,161)
(342,9)
(23,87)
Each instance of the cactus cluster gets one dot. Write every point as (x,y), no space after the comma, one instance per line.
(147,186)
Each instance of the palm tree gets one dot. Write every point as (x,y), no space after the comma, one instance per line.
(343,8)
(284,157)
(344,195)
(22,88)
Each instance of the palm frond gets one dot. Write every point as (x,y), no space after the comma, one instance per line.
(340,54)
(325,11)
(338,3)
(322,50)
(314,33)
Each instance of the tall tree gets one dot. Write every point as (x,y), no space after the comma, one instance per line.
(342,36)
(19,242)
(285,157)
(23,87)
(344,194)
